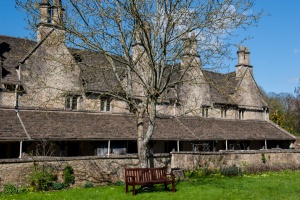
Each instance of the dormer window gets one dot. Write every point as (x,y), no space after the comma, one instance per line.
(9,87)
(105,104)
(72,102)
(241,114)
(223,113)
(204,111)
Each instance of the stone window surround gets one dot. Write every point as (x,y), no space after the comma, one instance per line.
(105,104)
(72,102)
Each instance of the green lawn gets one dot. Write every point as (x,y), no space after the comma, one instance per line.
(278,185)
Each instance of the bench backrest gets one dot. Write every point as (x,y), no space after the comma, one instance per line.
(144,175)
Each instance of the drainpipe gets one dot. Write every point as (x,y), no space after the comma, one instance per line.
(226,145)
(177,145)
(18,115)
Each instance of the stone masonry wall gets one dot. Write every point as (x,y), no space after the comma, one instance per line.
(106,170)
(191,161)
(98,170)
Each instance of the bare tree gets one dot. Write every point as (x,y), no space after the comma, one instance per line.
(151,45)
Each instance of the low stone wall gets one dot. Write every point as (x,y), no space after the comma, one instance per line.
(216,160)
(98,170)
(106,170)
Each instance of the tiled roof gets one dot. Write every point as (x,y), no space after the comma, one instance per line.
(59,125)
(98,78)
(221,86)
(12,50)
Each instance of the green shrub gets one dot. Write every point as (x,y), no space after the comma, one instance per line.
(22,189)
(42,178)
(10,189)
(231,171)
(263,158)
(201,172)
(88,185)
(58,186)
(119,183)
(68,175)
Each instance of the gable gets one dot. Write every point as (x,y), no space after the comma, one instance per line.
(247,92)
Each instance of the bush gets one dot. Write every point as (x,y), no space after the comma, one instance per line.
(68,175)
(58,186)
(10,189)
(42,178)
(201,172)
(88,185)
(263,158)
(231,171)
(119,183)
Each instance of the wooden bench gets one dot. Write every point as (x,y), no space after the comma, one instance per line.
(148,176)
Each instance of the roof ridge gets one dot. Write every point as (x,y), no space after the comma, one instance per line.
(20,38)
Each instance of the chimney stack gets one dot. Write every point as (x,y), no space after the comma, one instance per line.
(243,62)
(243,56)
(57,12)
(190,55)
(50,18)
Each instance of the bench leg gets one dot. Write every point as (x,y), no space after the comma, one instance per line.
(166,186)
(173,187)
(133,190)
(126,188)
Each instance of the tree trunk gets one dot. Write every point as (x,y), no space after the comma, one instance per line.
(142,146)
(144,139)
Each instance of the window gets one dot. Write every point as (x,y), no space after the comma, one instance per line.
(105,104)
(223,113)
(241,114)
(204,111)
(10,87)
(71,102)
(68,103)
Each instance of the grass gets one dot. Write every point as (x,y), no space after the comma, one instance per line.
(272,185)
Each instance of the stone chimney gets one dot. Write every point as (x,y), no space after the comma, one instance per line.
(50,18)
(140,56)
(141,37)
(243,61)
(45,11)
(57,12)
(243,56)
(190,55)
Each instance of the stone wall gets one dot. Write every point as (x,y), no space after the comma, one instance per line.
(98,170)
(216,160)
(106,170)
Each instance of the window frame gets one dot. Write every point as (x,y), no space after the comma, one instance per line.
(105,104)
(205,111)
(71,102)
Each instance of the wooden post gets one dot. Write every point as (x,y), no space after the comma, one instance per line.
(108,148)
(21,147)
(266,147)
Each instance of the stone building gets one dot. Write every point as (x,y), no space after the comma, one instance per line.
(54,97)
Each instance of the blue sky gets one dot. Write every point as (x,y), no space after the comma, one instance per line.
(275,47)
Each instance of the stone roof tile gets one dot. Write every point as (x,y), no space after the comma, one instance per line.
(58,125)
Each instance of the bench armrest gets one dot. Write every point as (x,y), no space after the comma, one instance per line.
(172,175)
